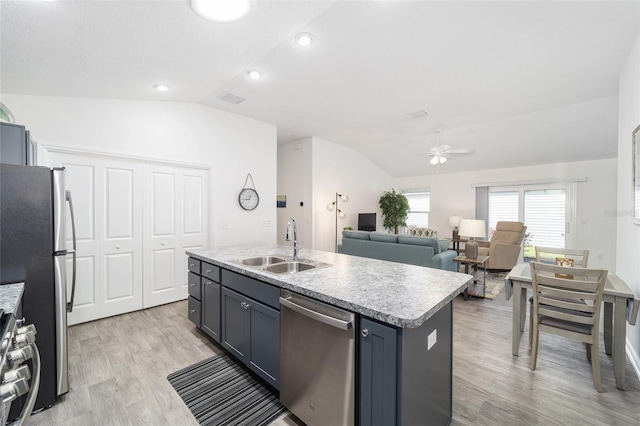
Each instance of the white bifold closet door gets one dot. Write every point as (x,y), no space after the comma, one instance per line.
(134,220)
(175,220)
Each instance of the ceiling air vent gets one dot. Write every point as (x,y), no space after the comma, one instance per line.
(231,98)
(418,114)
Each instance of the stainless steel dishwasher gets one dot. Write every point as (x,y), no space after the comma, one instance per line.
(317,361)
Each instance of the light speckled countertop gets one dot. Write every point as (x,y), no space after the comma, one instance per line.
(10,297)
(394,293)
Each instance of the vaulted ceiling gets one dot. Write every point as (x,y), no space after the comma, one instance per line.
(520,83)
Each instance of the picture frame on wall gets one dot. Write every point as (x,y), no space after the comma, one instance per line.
(636,175)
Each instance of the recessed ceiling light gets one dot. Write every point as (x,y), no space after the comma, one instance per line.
(222,11)
(304,39)
(161,87)
(255,74)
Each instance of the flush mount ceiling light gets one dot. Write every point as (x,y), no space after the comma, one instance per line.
(222,11)
(161,87)
(255,74)
(304,39)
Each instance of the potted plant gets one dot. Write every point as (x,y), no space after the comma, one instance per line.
(395,209)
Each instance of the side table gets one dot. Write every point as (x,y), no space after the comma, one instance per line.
(479,261)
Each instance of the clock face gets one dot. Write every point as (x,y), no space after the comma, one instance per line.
(248,199)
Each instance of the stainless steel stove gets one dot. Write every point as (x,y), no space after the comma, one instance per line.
(17,348)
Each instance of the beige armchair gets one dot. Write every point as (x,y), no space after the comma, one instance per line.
(504,248)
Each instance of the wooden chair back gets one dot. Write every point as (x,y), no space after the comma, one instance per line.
(549,254)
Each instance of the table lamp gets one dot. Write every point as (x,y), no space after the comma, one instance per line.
(454,221)
(472,228)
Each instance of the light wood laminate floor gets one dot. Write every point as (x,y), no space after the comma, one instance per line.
(118,368)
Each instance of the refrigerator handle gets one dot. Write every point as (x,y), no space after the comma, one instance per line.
(73,234)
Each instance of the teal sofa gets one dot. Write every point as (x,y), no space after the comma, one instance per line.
(421,251)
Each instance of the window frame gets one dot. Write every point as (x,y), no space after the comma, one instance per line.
(408,194)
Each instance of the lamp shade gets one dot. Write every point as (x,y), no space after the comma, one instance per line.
(455,221)
(473,228)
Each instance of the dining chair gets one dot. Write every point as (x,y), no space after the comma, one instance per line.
(548,255)
(568,307)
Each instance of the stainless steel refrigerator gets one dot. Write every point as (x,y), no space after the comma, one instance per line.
(33,250)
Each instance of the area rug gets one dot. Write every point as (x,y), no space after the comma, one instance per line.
(220,391)
(495,284)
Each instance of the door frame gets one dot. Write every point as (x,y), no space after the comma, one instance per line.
(42,150)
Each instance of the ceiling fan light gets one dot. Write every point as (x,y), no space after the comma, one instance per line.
(434,160)
(443,160)
(222,11)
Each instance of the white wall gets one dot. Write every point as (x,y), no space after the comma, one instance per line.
(628,243)
(595,224)
(294,181)
(336,168)
(175,131)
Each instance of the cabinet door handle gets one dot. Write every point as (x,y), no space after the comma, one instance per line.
(209,270)
(208,283)
(191,265)
(193,285)
(192,311)
(365,332)
(245,305)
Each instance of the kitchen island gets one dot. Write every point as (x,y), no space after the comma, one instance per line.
(404,322)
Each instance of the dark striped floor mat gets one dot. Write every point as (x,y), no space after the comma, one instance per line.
(220,391)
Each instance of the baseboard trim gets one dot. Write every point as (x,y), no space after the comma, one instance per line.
(635,359)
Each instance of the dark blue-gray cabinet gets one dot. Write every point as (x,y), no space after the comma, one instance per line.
(211,308)
(195,291)
(240,313)
(203,281)
(15,146)
(378,378)
(251,332)
(406,373)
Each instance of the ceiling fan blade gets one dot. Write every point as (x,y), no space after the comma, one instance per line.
(444,148)
(459,151)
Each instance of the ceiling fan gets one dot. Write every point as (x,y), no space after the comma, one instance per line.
(440,153)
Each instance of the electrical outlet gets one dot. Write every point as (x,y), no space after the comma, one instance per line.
(432,339)
(225,224)
(266,223)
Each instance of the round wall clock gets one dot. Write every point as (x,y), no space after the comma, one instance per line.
(248,197)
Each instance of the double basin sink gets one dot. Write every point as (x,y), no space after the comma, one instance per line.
(282,264)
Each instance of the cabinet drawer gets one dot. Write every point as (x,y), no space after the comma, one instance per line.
(195,312)
(194,265)
(211,271)
(258,290)
(195,289)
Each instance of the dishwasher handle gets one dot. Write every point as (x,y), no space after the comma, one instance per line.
(326,319)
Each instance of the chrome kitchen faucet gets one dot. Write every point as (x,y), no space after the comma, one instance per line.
(296,247)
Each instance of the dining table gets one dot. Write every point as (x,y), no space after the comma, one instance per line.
(620,307)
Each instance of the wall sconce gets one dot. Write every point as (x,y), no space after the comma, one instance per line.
(339,213)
